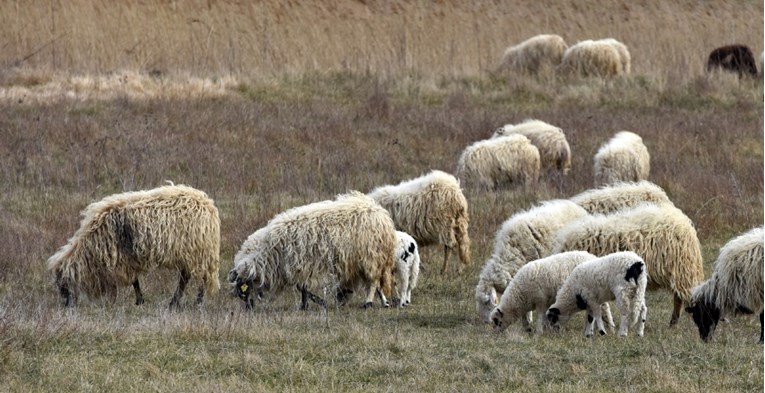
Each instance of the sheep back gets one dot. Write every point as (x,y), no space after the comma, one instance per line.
(618,196)
(496,162)
(624,158)
(591,59)
(554,150)
(534,55)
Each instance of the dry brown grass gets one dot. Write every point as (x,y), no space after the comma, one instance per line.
(267,106)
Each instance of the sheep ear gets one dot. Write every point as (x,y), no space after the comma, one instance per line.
(232,275)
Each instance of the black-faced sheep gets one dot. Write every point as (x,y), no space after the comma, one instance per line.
(498,162)
(624,158)
(535,55)
(432,209)
(554,151)
(733,58)
(534,288)
(591,59)
(661,234)
(619,196)
(126,235)
(736,285)
(524,237)
(619,276)
(337,245)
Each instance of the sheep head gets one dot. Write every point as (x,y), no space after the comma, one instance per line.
(706,316)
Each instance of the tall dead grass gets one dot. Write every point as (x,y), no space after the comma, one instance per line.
(267,38)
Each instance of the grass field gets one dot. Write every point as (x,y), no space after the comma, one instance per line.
(270,105)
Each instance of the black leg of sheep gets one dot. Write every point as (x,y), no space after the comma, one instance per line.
(138,294)
(182,281)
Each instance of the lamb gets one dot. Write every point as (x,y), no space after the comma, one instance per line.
(734,58)
(623,158)
(736,285)
(592,59)
(432,209)
(534,55)
(497,162)
(534,288)
(339,244)
(611,198)
(620,276)
(526,236)
(407,269)
(129,234)
(554,151)
(661,234)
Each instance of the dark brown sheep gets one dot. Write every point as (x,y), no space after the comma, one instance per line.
(733,58)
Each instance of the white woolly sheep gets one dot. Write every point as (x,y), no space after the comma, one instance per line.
(619,196)
(624,54)
(339,244)
(661,234)
(736,285)
(407,268)
(126,235)
(534,288)
(432,209)
(536,54)
(554,151)
(497,162)
(524,237)
(591,59)
(623,158)
(619,276)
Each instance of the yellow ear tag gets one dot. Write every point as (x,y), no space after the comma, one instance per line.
(244,287)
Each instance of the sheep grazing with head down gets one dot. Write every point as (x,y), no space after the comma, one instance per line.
(592,59)
(733,58)
(534,288)
(661,234)
(524,237)
(432,209)
(344,243)
(736,285)
(535,55)
(619,196)
(129,234)
(624,158)
(625,59)
(620,276)
(498,162)
(554,151)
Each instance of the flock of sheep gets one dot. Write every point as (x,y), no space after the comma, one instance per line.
(610,243)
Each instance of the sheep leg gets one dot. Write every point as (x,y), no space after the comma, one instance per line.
(641,320)
(182,281)
(383,300)
(676,310)
(138,294)
(606,310)
(200,294)
(588,325)
(446,259)
(624,309)
(305,295)
(541,318)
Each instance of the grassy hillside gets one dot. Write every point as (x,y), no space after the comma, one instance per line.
(271,105)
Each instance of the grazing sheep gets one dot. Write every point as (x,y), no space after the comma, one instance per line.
(338,244)
(733,58)
(524,237)
(661,234)
(623,158)
(554,151)
(620,276)
(407,269)
(126,235)
(736,285)
(592,58)
(624,54)
(534,288)
(536,54)
(432,209)
(611,198)
(496,162)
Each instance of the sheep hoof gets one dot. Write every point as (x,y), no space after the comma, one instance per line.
(139,302)
(367,305)
(602,332)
